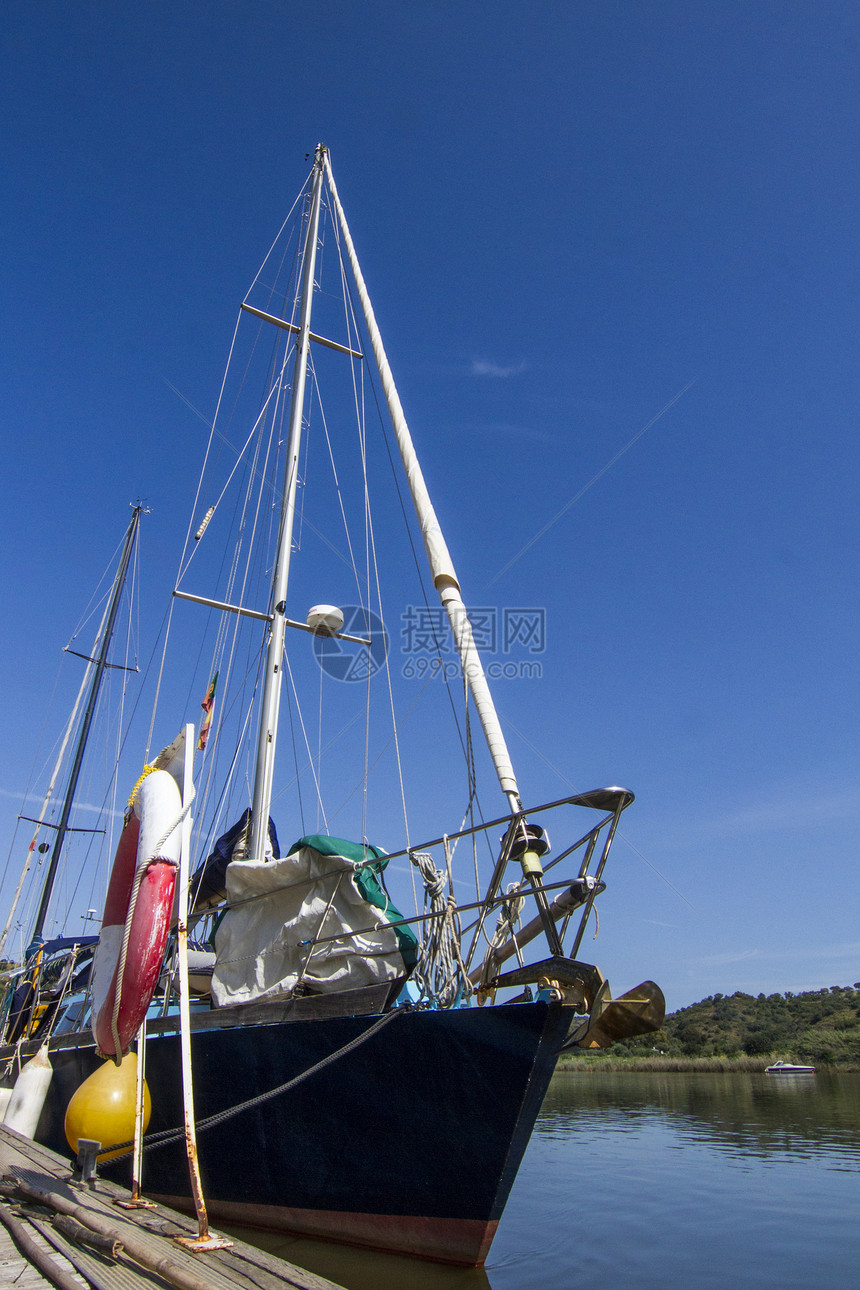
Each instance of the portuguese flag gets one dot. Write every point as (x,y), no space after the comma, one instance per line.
(207,705)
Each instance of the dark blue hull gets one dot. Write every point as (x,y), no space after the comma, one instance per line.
(410,1142)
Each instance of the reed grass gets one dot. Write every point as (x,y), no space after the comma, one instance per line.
(589,1063)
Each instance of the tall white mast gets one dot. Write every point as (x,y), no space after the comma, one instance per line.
(441,566)
(274,657)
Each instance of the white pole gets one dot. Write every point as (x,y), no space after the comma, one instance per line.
(274,658)
(441,566)
(136,1201)
(140,1086)
(184,1009)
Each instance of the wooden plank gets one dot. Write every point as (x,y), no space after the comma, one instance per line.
(145,1233)
(14,1268)
(44,1261)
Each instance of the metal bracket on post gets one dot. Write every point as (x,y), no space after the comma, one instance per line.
(200,1244)
(528,846)
(86,1161)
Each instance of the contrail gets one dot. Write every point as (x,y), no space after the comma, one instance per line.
(594,480)
(196,411)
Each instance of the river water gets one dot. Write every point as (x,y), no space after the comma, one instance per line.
(645,1181)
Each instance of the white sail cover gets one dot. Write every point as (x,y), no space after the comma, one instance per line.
(276,909)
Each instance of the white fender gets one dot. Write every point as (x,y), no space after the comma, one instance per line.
(29,1093)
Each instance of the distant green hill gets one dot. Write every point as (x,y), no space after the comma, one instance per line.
(818,1026)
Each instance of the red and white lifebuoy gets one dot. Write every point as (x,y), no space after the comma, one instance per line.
(137,914)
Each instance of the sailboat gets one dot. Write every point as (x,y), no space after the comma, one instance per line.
(359,1073)
(42,984)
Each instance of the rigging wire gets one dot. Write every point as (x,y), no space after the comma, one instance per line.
(384,749)
(193,512)
(359,399)
(319,746)
(256,463)
(50,802)
(298,780)
(465,741)
(320,806)
(275,387)
(258,459)
(326,748)
(108,812)
(416,561)
(570,784)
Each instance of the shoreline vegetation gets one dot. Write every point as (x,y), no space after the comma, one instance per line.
(593,1063)
(740,1033)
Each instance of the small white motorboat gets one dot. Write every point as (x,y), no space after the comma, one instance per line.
(786,1068)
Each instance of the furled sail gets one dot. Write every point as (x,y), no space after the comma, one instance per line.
(326,890)
(208,883)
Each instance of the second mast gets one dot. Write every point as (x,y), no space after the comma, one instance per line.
(274,657)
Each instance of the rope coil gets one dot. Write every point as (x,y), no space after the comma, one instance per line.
(440,973)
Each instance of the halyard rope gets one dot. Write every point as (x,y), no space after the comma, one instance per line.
(440,973)
(506,928)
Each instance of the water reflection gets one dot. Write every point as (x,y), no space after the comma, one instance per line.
(653,1180)
(755,1115)
(365,1269)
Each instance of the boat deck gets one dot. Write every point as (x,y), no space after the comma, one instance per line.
(35,1254)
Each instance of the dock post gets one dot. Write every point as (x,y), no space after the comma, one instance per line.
(204,1240)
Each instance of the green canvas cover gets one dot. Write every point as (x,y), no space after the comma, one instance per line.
(367,880)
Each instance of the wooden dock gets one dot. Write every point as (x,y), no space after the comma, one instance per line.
(58,1233)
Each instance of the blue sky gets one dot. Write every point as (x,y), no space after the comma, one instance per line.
(567,214)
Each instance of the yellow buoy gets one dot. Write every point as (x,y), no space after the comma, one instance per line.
(102,1108)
